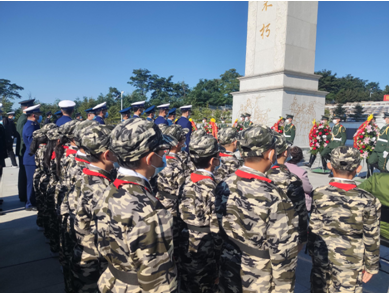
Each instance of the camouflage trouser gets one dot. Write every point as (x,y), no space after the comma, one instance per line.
(45,213)
(326,277)
(53,218)
(38,198)
(230,270)
(198,271)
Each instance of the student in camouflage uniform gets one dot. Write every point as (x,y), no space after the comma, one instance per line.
(291,185)
(228,139)
(379,157)
(86,264)
(200,242)
(259,222)
(171,179)
(338,138)
(344,231)
(134,229)
(184,156)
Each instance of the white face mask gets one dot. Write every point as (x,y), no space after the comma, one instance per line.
(222,121)
(335,121)
(242,118)
(246,119)
(204,121)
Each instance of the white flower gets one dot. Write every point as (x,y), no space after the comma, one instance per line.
(324,136)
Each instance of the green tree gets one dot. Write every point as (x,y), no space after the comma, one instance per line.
(8,93)
(229,83)
(357,114)
(141,81)
(340,111)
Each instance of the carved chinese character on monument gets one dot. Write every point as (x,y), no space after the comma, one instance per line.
(280,58)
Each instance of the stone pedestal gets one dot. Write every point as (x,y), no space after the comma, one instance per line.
(280,59)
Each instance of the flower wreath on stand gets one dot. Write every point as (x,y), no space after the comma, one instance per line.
(194,128)
(214,128)
(277,128)
(319,137)
(365,138)
(238,126)
(208,128)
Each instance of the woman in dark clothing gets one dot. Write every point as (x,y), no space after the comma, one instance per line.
(10,131)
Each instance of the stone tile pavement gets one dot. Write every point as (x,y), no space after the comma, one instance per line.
(26,264)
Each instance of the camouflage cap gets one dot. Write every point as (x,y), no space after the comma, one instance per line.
(135,137)
(96,139)
(67,129)
(227,136)
(81,128)
(203,146)
(198,133)
(53,134)
(281,143)
(176,131)
(345,158)
(255,140)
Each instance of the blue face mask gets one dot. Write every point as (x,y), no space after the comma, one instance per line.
(40,119)
(106,115)
(94,118)
(1,120)
(80,117)
(217,167)
(159,169)
(183,148)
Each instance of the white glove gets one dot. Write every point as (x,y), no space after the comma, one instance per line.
(324,136)
(385,154)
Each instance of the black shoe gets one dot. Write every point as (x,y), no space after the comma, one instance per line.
(32,208)
(312,159)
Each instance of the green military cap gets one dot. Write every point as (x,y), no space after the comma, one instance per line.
(281,143)
(80,129)
(198,133)
(325,117)
(222,118)
(53,134)
(203,146)
(67,129)
(242,115)
(386,114)
(176,131)
(335,116)
(96,139)
(248,114)
(135,137)
(255,140)
(289,116)
(227,136)
(345,158)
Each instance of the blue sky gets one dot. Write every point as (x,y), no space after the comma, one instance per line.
(65,50)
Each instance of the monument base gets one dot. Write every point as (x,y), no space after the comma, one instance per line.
(320,170)
(267,105)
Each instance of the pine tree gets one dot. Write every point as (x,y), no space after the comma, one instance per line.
(357,114)
(340,111)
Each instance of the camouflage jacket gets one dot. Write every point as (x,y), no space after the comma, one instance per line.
(229,164)
(169,182)
(63,185)
(346,220)
(197,207)
(134,234)
(40,169)
(189,165)
(259,220)
(292,186)
(74,172)
(92,184)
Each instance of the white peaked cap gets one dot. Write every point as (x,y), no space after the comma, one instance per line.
(186,106)
(101,105)
(138,103)
(31,108)
(66,104)
(163,105)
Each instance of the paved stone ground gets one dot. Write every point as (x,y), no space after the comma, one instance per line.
(26,265)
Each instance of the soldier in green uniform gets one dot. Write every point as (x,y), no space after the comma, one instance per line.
(223,125)
(239,125)
(324,122)
(247,122)
(289,129)
(338,139)
(378,158)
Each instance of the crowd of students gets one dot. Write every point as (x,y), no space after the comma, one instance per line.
(128,209)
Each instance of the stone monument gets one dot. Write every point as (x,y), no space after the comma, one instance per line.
(280,59)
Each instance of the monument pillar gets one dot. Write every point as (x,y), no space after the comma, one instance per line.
(280,59)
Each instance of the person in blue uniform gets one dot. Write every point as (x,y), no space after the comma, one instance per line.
(185,123)
(58,114)
(126,113)
(101,112)
(171,116)
(32,124)
(48,118)
(138,108)
(150,112)
(21,148)
(78,117)
(67,108)
(90,115)
(162,112)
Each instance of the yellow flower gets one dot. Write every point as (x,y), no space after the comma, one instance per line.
(213,120)
(190,120)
